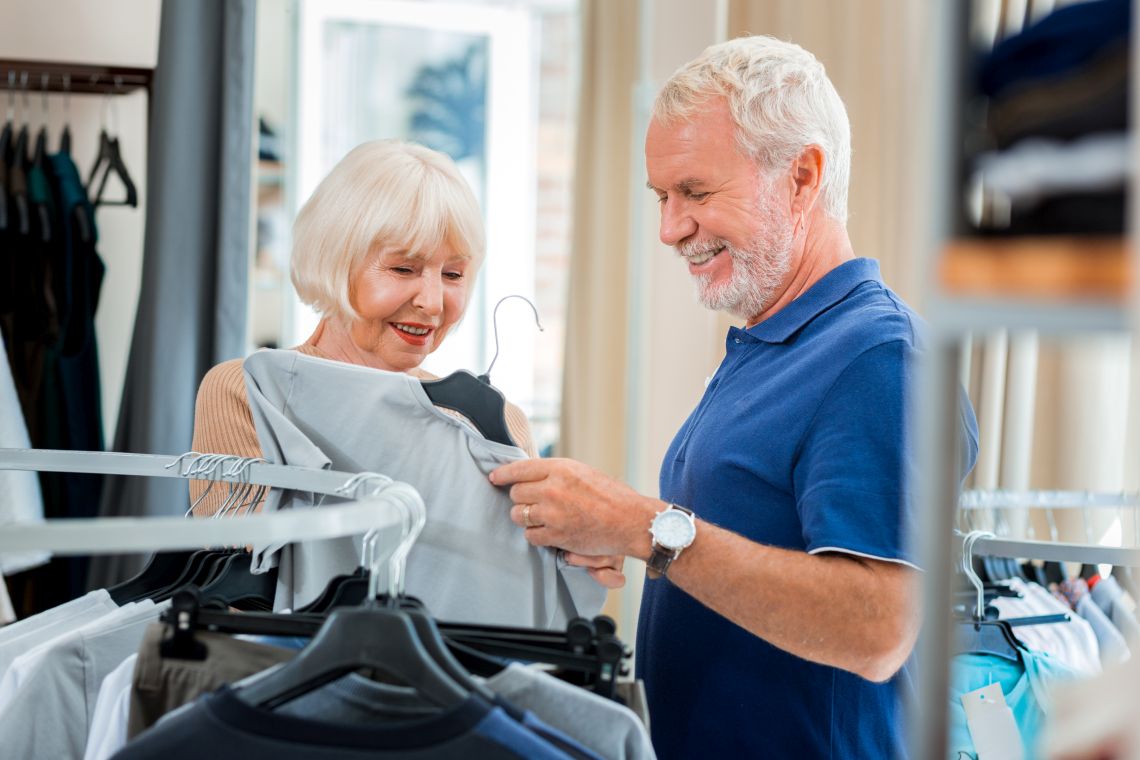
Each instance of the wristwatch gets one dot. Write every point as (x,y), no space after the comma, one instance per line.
(673,529)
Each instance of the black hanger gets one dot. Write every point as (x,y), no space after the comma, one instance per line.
(161,572)
(110,159)
(383,639)
(340,591)
(234,585)
(993,637)
(1088,572)
(475,399)
(65,135)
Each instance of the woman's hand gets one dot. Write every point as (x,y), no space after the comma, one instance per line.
(607,571)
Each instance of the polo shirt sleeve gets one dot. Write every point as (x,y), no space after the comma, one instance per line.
(854,467)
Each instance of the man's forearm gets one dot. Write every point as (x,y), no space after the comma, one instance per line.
(839,610)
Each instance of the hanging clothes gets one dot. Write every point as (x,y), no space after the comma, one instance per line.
(471,563)
(58,276)
(20,497)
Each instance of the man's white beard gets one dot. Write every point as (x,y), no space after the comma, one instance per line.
(757,271)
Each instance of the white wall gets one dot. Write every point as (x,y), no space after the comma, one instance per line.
(112,32)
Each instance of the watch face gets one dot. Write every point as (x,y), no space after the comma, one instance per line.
(673,529)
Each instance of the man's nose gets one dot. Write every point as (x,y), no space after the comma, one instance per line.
(676,223)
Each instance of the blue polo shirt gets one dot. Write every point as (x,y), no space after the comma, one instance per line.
(799,442)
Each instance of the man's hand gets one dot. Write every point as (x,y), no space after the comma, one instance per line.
(607,571)
(566,504)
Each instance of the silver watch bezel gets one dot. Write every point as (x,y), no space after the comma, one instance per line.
(661,516)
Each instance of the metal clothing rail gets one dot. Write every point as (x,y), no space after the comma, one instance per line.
(158,466)
(1058,552)
(35,77)
(1047,500)
(383,509)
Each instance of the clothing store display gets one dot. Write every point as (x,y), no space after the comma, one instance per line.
(830,372)
(610,729)
(1074,644)
(1038,168)
(354,699)
(25,635)
(470,563)
(1109,596)
(20,497)
(49,328)
(1113,648)
(1056,109)
(1059,42)
(68,677)
(221,726)
(1092,98)
(1024,685)
(108,731)
(160,685)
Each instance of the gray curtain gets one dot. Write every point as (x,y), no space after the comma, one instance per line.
(192,306)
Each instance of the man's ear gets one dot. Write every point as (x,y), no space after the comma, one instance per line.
(807,178)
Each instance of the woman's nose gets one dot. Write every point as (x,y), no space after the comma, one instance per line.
(429,297)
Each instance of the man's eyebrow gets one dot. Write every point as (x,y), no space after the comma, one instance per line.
(685,184)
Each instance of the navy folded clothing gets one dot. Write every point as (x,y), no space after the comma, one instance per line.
(1064,40)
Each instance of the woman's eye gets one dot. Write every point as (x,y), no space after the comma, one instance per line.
(402,270)
(453,275)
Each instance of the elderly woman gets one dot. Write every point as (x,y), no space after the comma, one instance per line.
(386,250)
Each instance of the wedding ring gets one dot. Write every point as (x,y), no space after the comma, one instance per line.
(526,516)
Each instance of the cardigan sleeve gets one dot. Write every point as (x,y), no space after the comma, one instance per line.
(223,424)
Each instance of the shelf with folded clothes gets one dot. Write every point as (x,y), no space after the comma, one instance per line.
(1046,127)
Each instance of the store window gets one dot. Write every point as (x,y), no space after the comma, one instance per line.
(493,85)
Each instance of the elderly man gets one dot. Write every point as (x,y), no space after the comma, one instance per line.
(780,610)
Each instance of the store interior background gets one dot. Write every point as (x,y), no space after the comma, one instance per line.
(626,349)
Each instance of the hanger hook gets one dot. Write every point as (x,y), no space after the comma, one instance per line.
(44,78)
(486,376)
(398,561)
(968,568)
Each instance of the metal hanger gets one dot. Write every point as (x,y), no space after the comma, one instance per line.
(474,397)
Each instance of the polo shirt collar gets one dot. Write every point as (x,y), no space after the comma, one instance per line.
(832,288)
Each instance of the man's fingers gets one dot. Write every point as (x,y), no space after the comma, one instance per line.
(526,493)
(607,577)
(613,562)
(522,471)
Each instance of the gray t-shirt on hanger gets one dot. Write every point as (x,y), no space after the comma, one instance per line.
(471,563)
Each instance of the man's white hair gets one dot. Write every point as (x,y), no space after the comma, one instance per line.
(781,101)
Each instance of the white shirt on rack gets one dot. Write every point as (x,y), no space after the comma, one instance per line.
(1073,643)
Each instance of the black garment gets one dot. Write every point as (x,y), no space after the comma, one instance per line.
(1092,214)
(222,727)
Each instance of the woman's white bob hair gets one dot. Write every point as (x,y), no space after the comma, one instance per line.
(384,195)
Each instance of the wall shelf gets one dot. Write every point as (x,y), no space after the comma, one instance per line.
(1063,268)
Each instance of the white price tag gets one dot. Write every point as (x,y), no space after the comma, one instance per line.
(991,725)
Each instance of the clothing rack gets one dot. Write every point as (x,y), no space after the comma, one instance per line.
(381,510)
(35,77)
(1051,551)
(1047,500)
